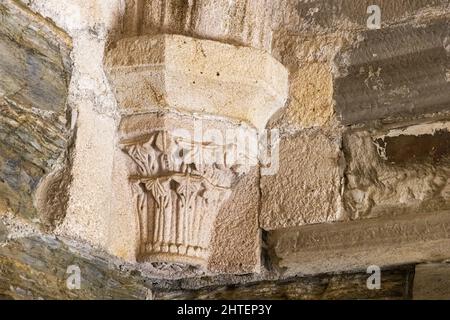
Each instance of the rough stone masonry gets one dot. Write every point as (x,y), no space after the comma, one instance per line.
(175,149)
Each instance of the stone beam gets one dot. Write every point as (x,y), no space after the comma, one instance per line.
(396,72)
(358,244)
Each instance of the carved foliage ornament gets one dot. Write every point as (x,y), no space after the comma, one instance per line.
(179,187)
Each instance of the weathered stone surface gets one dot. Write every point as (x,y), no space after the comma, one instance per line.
(378,183)
(169,71)
(3,232)
(36,268)
(351,15)
(236,242)
(432,281)
(309,59)
(395,284)
(358,244)
(394,72)
(88,210)
(306,188)
(35,73)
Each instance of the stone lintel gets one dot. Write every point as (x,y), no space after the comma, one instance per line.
(394,73)
(358,244)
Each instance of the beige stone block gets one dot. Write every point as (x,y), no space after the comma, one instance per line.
(309,59)
(89,204)
(122,223)
(359,244)
(311,93)
(199,76)
(306,188)
(236,241)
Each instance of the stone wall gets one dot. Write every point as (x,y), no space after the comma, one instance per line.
(223,149)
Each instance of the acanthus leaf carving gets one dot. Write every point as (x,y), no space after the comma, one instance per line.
(178,196)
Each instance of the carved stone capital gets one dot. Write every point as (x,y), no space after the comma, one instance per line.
(179,187)
(180,180)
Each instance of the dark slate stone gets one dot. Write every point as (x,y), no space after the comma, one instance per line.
(36,268)
(426,148)
(397,72)
(35,73)
(396,285)
(3,232)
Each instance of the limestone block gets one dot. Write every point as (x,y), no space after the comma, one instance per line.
(236,240)
(397,170)
(35,72)
(88,212)
(199,76)
(359,244)
(175,197)
(432,281)
(397,72)
(310,98)
(306,188)
(309,59)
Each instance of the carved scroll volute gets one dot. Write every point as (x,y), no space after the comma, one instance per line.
(176,198)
